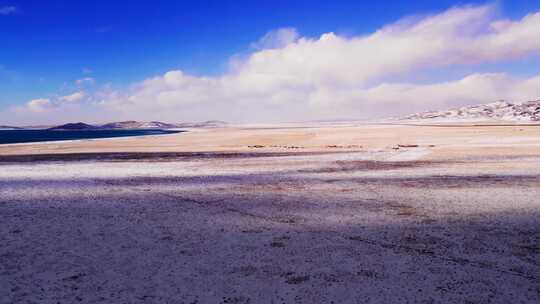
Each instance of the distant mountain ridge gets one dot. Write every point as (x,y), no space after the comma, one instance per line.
(501,110)
(203,124)
(9,128)
(134,125)
(74,126)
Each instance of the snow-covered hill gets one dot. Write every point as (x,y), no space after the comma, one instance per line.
(131,124)
(9,128)
(500,110)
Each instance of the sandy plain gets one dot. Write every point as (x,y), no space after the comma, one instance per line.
(276,214)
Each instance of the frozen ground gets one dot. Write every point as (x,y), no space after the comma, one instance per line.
(353,227)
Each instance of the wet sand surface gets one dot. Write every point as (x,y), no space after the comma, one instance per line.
(347,216)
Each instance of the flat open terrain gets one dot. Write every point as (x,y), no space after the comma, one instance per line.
(291,214)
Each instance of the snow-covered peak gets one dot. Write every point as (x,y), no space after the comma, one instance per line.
(499,110)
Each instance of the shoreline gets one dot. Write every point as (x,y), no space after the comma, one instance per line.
(440,142)
(167,132)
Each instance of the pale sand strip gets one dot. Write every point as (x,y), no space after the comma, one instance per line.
(441,142)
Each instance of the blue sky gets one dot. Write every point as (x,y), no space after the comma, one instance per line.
(46,46)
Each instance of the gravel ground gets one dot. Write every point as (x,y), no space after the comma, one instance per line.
(355,227)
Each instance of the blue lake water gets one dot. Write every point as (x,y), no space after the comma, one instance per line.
(26,136)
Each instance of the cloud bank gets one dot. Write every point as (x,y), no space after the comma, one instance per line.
(290,77)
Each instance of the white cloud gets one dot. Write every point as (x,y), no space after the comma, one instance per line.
(38,105)
(288,77)
(85,80)
(277,39)
(405,98)
(8,10)
(48,105)
(331,71)
(457,36)
(77,96)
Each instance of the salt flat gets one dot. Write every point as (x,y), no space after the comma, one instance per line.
(288,214)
